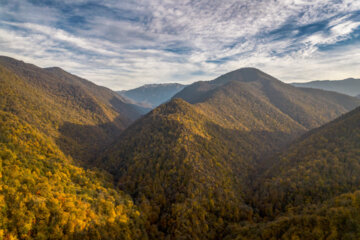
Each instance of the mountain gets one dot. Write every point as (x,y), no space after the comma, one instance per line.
(358,96)
(181,168)
(250,99)
(312,189)
(243,156)
(152,95)
(79,116)
(188,164)
(349,86)
(51,123)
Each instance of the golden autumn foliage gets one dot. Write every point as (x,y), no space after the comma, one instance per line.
(44,196)
(79,116)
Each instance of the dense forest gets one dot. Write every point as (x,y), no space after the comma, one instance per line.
(79,116)
(244,156)
(45,196)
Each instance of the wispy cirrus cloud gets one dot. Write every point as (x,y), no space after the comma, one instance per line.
(124,44)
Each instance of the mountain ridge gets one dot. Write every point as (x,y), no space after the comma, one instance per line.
(152,95)
(64,106)
(349,86)
(272,89)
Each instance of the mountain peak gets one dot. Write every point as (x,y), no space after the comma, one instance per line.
(247,74)
(175,105)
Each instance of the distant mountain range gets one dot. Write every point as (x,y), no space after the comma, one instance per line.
(244,156)
(152,95)
(349,86)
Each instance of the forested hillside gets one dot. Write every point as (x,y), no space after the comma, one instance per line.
(182,169)
(248,98)
(44,196)
(81,117)
(189,166)
(312,189)
(321,165)
(50,121)
(239,157)
(336,218)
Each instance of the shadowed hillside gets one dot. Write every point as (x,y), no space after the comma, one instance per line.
(312,189)
(322,164)
(52,100)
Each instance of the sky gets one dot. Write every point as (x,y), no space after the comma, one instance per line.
(127,43)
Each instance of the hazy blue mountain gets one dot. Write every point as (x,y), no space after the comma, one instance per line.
(152,95)
(349,86)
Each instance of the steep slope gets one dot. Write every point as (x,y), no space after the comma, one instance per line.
(183,170)
(110,98)
(152,95)
(44,196)
(189,165)
(312,189)
(349,86)
(79,116)
(322,164)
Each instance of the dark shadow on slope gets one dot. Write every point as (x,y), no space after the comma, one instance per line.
(84,142)
(253,147)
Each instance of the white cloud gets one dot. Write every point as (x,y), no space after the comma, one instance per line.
(126,43)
